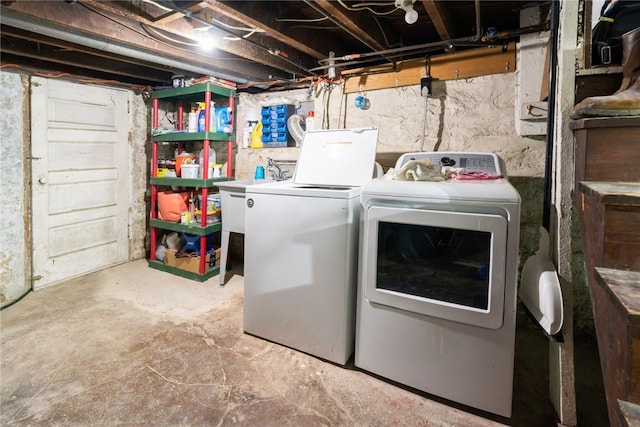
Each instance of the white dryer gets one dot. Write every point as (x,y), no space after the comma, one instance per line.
(438,282)
(301,246)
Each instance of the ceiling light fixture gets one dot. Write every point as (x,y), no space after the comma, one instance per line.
(411,16)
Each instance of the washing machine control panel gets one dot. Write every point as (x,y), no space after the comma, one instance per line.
(471,162)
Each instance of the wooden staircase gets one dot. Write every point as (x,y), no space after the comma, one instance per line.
(607,154)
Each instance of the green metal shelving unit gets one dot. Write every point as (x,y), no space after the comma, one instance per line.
(209,91)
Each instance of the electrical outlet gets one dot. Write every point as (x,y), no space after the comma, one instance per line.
(425,86)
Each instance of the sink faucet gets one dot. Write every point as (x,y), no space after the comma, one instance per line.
(274,169)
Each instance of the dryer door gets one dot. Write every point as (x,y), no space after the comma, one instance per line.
(449,265)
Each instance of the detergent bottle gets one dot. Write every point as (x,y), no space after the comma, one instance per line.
(256,136)
(223,120)
(202,117)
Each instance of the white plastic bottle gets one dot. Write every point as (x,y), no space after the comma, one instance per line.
(206,164)
(193,122)
(309,123)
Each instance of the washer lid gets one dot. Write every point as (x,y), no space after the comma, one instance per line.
(334,158)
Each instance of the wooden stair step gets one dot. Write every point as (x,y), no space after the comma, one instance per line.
(624,287)
(607,149)
(610,224)
(616,308)
(630,413)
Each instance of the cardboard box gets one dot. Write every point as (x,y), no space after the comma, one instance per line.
(188,263)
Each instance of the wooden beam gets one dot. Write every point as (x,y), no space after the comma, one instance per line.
(240,13)
(459,65)
(173,16)
(77,18)
(440,18)
(352,24)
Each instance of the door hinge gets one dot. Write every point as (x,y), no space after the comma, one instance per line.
(36,278)
(33,158)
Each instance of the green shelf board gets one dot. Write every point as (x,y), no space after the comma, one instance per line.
(213,271)
(194,93)
(193,229)
(188,182)
(192,136)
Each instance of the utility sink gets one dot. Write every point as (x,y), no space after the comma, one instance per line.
(232,202)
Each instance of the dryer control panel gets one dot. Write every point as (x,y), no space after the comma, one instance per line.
(488,163)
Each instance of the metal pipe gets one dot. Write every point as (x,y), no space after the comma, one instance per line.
(35,25)
(463,41)
(392,51)
(478,24)
(426,47)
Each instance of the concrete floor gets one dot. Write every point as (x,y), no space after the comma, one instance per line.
(134,346)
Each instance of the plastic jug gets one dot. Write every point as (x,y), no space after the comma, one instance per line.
(206,164)
(202,117)
(223,120)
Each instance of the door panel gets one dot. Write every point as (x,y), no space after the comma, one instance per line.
(79,174)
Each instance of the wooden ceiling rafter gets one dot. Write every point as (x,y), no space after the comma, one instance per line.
(353,24)
(81,19)
(261,47)
(173,16)
(303,44)
(440,18)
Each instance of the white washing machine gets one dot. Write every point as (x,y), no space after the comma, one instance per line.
(301,246)
(438,282)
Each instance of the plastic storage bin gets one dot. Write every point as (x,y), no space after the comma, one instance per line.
(274,126)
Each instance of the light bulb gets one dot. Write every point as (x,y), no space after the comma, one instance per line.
(411,16)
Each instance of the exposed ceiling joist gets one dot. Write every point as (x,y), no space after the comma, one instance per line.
(174,16)
(440,17)
(261,43)
(352,23)
(262,17)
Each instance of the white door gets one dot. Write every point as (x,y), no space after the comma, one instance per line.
(79,179)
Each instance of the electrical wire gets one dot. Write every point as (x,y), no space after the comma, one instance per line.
(384,35)
(364,6)
(190,50)
(246,36)
(343,103)
(150,29)
(424,121)
(9,304)
(324,18)
(283,57)
(145,34)
(166,9)
(231,27)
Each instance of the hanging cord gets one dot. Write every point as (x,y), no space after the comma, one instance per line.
(325,103)
(424,91)
(9,304)
(424,121)
(553,64)
(342,115)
